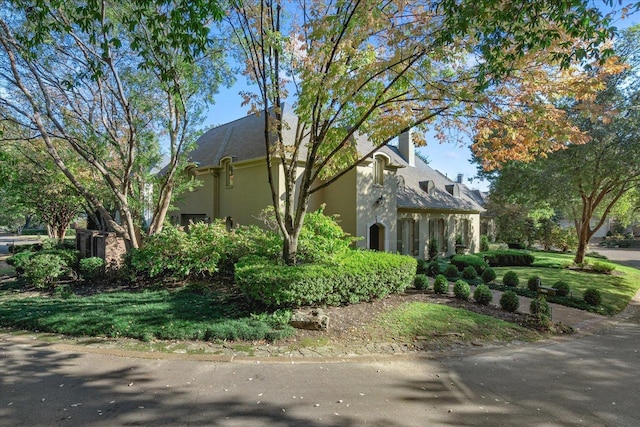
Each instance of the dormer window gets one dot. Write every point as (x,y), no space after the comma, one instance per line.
(379,164)
(453,189)
(428,187)
(228,172)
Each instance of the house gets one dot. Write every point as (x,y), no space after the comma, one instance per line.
(393,200)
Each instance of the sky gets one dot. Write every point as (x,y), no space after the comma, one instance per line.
(450,159)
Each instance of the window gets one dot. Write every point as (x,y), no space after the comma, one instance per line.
(463,230)
(228,172)
(379,163)
(437,231)
(408,237)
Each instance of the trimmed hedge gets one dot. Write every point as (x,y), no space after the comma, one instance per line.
(464,261)
(508,258)
(355,276)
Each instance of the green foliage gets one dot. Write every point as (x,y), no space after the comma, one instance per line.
(461,290)
(469,273)
(19,260)
(321,238)
(71,257)
(441,285)
(511,278)
(488,275)
(484,243)
(433,249)
(463,261)
(506,258)
(43,270)
(421,266)
(540,308)
(92,268)
(483,295)
(353,277)
(533,282)
(421,281)
(430,268)
(509,301)
(562,288)
(603,267)
(451,271)
(592,296)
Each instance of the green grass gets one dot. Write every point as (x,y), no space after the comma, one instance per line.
(437,321)
(148,315)
(617,289)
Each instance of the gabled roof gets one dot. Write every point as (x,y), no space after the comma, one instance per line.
(422,187)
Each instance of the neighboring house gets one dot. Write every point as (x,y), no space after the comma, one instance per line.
(394,201)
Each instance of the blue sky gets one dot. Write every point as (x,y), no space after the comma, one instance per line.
(449,158)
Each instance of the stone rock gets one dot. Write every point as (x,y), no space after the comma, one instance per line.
(315,320)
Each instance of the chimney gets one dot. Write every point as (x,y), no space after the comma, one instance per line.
(459,178)
(407,150)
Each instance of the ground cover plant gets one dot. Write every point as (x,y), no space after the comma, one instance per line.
(185,314)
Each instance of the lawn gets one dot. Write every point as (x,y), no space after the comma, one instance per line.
(433,321)
(153,314)
(617,289)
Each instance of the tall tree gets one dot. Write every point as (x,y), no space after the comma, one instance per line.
(114,82)
(370,69)
(591,180)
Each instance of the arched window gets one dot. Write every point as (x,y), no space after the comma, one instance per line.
(379,163)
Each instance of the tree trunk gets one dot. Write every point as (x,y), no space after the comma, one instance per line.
(290,250)
(584,234)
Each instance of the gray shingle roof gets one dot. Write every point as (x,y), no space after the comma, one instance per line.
(243,140)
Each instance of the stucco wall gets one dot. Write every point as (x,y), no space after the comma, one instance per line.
(248,196)
(200,201)
(339,198)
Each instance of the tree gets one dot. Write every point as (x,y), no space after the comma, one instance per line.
(372,70)
(113,82)
(593,179)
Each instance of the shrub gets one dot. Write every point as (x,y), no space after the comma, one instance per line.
(421,281)
(541,312)
(469,273)
(603,267)
(451,271)
(562,288)
(464,261)
(433,269)
(533,282)
(422,266)
(321,238)
(71,257)
(488,275)
(461,290)
(355,276)
(433,249)
(482,295)
(441,284)
(592,296)
(509,301)
(19,260)
(540,307)
(91,268)
(516,245)
(511,278)
(484,243)
(43,270)
(508,258)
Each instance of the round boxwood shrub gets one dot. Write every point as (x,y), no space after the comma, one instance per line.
(533,282)
(451,271)
(511,278)
(488,275)
(461,290)
(441,285)
(433,268)
(421,281)
(539,307)
(592,296)
(43,270)
(562,288)
(509,301)
(469,273)
(483,295)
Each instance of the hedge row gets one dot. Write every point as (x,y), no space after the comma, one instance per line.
(464,261)
(356,276)
(508,258)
